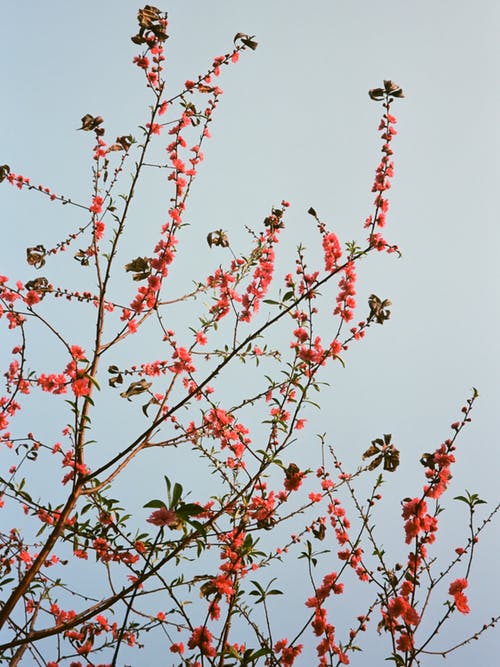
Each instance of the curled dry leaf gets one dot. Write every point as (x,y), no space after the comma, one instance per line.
(379,309)
(274,220)
(246,40)
(390,89)
(35,256)
(151,20)
(40,285)
(218,238)
(122,143)
(90,122)
(140,266)
(4,172)
(136,388)
(382,451)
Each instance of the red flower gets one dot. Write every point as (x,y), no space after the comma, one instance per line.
(332,251)
(462,604)
(177,648)
(97,203)
(32,297)
(163,517)
(201,338)
(405,642)
(141,61)
(456,589)
(81,387)
(202,638)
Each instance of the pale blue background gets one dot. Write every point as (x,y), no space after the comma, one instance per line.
(296,122)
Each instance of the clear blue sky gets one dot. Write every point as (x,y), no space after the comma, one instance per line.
(296,122)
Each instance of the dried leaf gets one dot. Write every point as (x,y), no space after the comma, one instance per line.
(250,43)
(240,35)
(122,143)
(4,172)
(247,40)
(390,89)
(376,94)
(393,89)
(383,451)
(118,379)
(218,238)
(205,89)
(152,401)
(379,309)
(148,15)
(320,532)
(40,285)
(140,266)
(90,122)
(136,388)
(36,256)
(376,462)
(150,19)
(292,470)
(427,460)
(82,257)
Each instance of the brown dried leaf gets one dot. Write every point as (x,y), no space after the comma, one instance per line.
(140,266)
(247,40)
(205,89)
(136,388)
(4,172)
(148,15)
(250,43)
(40,285)
(118,379)
(36,256)
(376,94)
(383,451)
(90,122)
(393,89)
(218,238)
(379,310)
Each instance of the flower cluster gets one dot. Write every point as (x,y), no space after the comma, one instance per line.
(222,426)
(288,653)
(382,182)
(456,589)
(347,290)
(320,625)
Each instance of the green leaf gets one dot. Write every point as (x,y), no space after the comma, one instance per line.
(189,509)
(155,503)
(94,382)
(176,495)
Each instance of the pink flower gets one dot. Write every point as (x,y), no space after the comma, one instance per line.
(177,648)
(202,638)
(81,387)
(201,338)
(163,517)
(456,589)
(31,298)
(141,61)
(97,203)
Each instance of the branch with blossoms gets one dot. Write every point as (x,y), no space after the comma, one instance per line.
(201,569)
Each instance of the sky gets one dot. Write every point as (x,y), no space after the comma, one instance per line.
(296,123)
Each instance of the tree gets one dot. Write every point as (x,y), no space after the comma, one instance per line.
(153,347)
